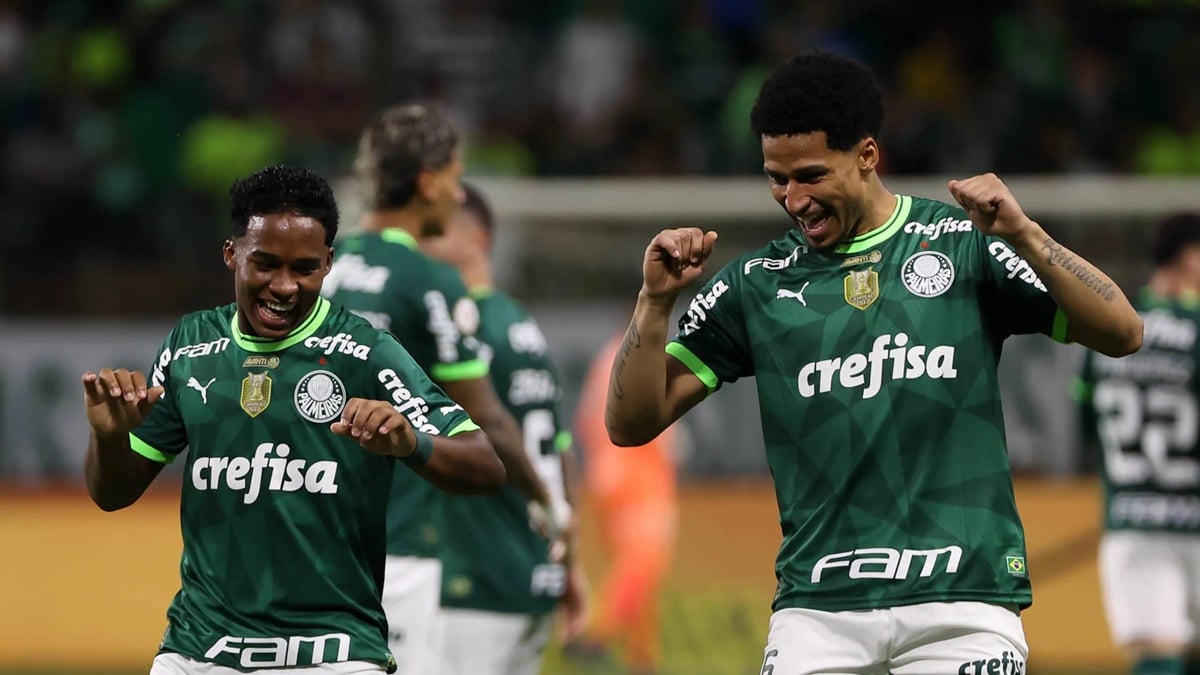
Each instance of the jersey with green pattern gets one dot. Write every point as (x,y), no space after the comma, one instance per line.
(283,522)
(493,560)
(876,373)
(384,278)
(1143,410)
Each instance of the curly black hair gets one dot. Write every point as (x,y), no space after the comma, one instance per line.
(820,91)
(1175,233)
(396,147)
(283,189)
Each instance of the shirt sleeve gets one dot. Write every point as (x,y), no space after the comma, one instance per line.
(162,436)
(453,319)
(398,378)
(712,340)
(1017,300)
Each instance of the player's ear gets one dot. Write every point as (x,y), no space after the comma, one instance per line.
(426,185)
(227,254)
(329,259)
(868,154)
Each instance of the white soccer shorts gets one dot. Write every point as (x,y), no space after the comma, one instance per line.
(412,589)
(967,638)
(491,643)
(176,664)
(1151,586)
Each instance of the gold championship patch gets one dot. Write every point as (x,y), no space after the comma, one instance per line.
(861,288)
(256,393)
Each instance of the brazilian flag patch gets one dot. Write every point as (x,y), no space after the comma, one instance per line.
(1015,564)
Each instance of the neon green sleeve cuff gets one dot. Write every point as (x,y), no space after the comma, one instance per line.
(694,364)
(148,451)
(563,441)
(1059,332)
(456,372)
(463,427)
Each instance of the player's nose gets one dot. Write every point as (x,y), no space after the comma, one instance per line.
(284,285)
(797,199)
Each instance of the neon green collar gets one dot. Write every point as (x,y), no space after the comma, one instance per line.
(396,236)
(880,234)
(253,343)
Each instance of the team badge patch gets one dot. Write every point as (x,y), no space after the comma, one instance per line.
(256,393)
(861,288)
(320,396)
(927,274)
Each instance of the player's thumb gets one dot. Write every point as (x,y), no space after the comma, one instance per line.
(340,428)
(153,395)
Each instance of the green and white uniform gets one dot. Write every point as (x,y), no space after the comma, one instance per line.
(499,586)
(384,278)
(1144,411)
(283,522)
(876,373)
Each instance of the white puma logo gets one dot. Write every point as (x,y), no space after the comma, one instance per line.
(798,295)
(194,384)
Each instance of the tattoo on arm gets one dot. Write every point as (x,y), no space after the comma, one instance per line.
(633,340)
(1058,256)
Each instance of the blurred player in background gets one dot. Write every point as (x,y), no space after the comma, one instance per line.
(1145,413)
(409,163)
(283,513)
(873,329)
(501,582)
(632,493)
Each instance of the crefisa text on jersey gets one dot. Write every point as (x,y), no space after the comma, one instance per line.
(343,343)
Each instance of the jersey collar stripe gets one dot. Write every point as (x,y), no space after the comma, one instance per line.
(457,372)
(694,364)
(882,234)
(306,328)
(394,236)
(149,451)
(563,441)
(463,427)
(1059,332)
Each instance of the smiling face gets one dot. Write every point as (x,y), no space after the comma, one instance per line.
(278,267)
(824,191)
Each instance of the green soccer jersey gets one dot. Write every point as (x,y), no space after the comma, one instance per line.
(493,560)
(1143,411)
(283,522)
(382,277)
(876,373)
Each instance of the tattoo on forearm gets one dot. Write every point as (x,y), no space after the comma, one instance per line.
(1057,256)
(633,340)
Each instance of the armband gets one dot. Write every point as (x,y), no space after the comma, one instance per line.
(422,452)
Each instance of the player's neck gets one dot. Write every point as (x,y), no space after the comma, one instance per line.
(881,204)
(477,274)
(392,219)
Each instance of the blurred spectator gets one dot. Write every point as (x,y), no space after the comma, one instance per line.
(115,111)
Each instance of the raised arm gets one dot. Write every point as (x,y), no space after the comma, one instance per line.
(648,390)
(1099,315)
(117,402)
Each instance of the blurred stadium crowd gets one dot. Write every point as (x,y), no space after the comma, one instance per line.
(125,122)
